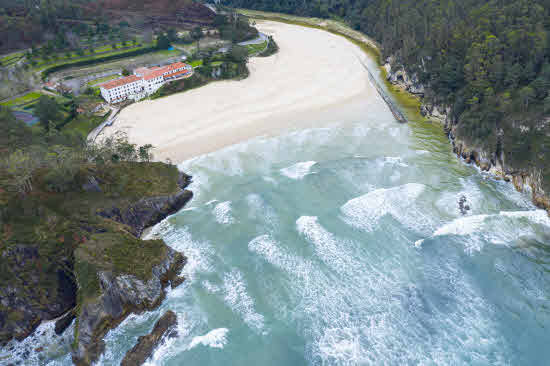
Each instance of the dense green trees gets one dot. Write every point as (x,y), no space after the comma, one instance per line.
(56,157)
(48,111)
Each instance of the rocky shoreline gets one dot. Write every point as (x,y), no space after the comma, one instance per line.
(526,179)
(98,270)
(124,294)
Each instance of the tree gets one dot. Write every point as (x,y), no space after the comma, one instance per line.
(196,33)
(238,54)
(526,94)
(172,35)
(47,110)
(162,42)
(126,72)
(145,152)
(547,105)
(20,166)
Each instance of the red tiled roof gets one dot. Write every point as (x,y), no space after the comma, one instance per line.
(179,73)
(154,73)
(176,65)
(118,82)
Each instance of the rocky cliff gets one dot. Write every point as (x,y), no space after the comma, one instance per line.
(527,177)
(79,253)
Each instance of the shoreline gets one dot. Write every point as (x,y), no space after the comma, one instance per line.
(282,93)
(523,180)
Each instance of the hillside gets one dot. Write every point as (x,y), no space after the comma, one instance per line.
(70,221)
(29,23)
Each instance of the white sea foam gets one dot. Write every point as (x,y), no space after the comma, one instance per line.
(502,228)
(268,248)
(333,251)
(536,216)
(462,226)
(395,161)
(216,338)
(261,210)
(364,212)
(172,346)
(298,170)
(24,352)
(192,208)
(238,299)
(210,287)
(199,253)
(269,179)
(210,202)
(222,213)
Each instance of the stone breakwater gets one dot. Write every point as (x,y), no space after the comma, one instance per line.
(524,178)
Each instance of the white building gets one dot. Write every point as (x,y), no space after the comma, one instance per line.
(144,81)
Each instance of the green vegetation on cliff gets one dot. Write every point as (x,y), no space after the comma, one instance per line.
(68,211)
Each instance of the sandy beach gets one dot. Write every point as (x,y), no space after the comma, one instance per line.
(315,76)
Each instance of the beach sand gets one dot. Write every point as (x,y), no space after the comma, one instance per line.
(315,79)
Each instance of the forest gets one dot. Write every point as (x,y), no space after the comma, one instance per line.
(487,60)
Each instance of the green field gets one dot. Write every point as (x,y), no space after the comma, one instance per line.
(195,63)
(11,59)
(42,65)
(103,79)
(24,99)
(255,48)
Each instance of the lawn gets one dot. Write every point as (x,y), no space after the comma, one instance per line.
(24,99)
(103,79)
(41,65)
(174,52)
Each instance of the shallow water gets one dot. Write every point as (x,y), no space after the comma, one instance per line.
(345,245)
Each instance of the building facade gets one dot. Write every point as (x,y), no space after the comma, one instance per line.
(145,81)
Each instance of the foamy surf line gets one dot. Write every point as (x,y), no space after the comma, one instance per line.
(299,170)
(216,338)
(477,228)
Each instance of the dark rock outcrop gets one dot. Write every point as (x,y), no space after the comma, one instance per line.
(150,211)
(23,308)
(64,322)
(124,294)
(146,344)
(120,296)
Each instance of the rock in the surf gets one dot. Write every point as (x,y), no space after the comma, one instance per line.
(147,344)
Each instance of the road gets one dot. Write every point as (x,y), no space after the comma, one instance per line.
(96,131)
(260,39)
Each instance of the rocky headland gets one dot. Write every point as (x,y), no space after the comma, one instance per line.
(525,177)
(78,256)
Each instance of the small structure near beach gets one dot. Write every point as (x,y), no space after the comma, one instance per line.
(145,81)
